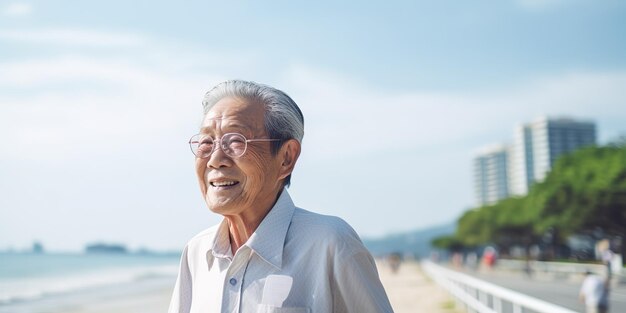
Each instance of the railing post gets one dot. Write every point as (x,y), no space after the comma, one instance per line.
(517,308)
(483,297)
(497,304)
(467,307)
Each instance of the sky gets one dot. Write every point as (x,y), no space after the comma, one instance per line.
(99,99)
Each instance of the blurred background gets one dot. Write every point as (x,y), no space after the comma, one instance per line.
(433,128)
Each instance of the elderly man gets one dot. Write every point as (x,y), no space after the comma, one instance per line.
(266,255)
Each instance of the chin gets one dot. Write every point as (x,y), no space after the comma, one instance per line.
(222,207)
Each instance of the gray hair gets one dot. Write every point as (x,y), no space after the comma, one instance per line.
(283,118)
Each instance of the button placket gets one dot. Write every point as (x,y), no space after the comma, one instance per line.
(234,277)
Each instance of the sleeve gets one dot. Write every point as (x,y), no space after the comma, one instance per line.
(181,297)
(357,286)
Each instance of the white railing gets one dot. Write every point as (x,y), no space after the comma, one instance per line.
(483,297)
(562,269)
(552,267)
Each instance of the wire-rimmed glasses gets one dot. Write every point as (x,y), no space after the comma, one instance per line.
(232,144)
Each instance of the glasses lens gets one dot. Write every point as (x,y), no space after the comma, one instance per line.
(193,144)
(234,144)
(201,146)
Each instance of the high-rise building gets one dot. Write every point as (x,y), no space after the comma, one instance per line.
(490,174)
(537,146)
(521,168)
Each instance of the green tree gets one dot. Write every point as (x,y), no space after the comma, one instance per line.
(514,224)
(474,227)
(584,191)
(450,243)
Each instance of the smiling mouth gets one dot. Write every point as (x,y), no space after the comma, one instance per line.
(223,184)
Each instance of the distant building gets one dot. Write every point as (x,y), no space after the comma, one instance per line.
(537,146)
(521,164)
(490,174)
(105,248)
(38,247)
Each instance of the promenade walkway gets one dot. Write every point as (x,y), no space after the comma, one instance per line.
(410,291)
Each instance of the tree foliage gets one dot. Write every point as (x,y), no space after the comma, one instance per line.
(584,191)
(447,243)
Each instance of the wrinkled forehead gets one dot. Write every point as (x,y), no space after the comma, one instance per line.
(212,125)
(231,114)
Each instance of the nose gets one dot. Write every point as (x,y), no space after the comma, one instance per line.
(218,158)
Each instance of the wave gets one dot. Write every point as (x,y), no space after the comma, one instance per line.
(31,289)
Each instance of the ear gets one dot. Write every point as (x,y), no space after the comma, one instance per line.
(289,153)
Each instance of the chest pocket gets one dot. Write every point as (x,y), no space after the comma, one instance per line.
(264,308)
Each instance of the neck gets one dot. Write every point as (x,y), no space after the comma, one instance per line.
(240,230)
(242,226)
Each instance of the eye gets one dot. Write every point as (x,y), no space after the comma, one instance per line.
(236,140)
(205,143)
(206,140)
(235,143)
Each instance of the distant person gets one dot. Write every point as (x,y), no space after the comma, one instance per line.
(528,269)
(607,259)
(489,257)
(471,261)
(457,260)
(267,255)
(394,261)
(594,293)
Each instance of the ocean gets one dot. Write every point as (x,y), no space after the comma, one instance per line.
(31,282)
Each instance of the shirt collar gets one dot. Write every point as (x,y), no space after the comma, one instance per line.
(268,239)
(221,242)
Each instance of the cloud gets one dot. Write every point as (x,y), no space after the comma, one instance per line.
(344,117)
(357,119)
(17,9)
(60,99)
(108,99)
(75,37)
(69,69)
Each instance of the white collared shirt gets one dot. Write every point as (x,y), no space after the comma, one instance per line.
(594,291)
(331,269)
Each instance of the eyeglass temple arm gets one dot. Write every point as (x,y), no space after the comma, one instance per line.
(252,140)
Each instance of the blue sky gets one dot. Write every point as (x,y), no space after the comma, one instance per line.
(98,100)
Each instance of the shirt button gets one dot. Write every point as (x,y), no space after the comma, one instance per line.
(233,281)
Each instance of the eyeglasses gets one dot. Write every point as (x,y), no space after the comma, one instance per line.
(232,144)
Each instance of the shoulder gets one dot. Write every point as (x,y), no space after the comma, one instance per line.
(319,222)
(324,229)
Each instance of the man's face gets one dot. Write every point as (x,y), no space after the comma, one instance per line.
(245,184)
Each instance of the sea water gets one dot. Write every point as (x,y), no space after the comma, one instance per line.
(31,282)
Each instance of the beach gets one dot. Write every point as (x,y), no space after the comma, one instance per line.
(410,290)
(152,301)
(77,282)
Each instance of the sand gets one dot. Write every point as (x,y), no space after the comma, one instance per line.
(410,290)
(153,301)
